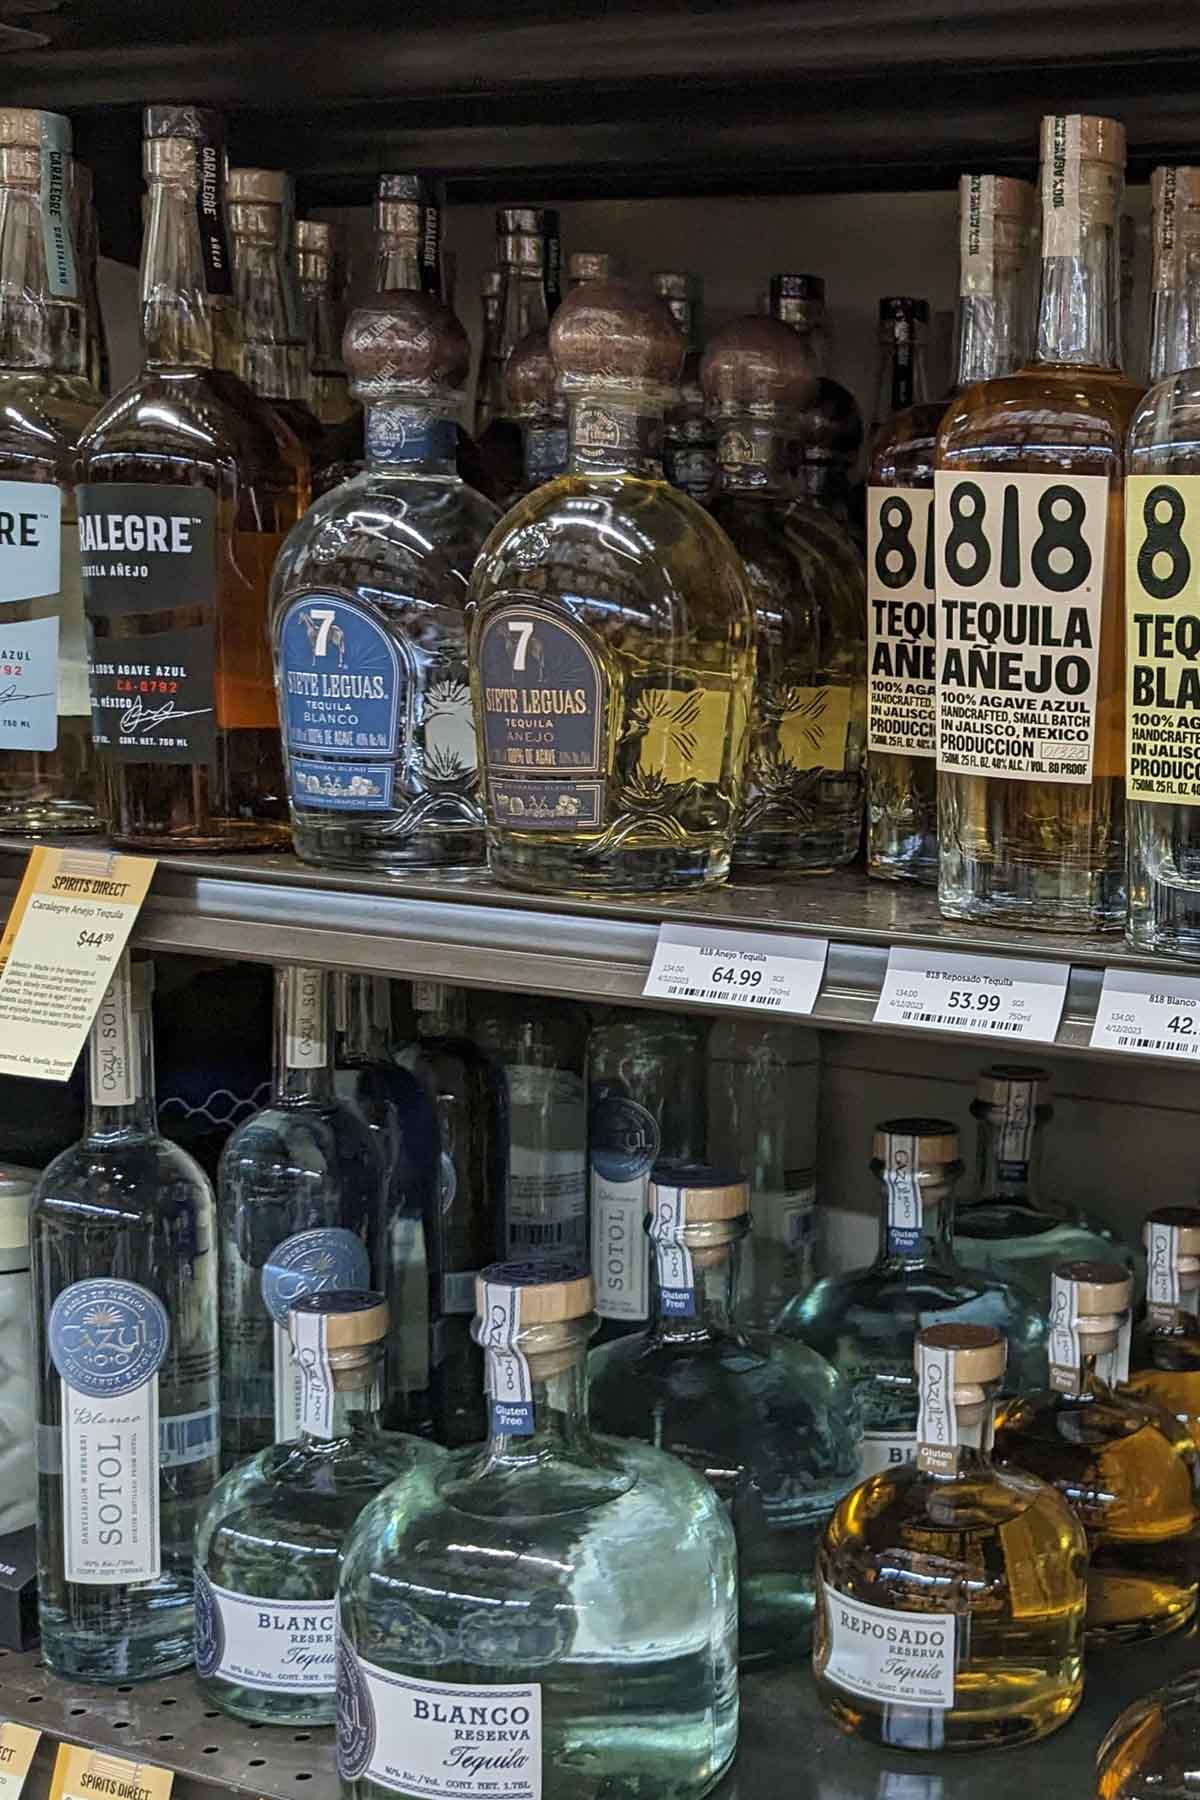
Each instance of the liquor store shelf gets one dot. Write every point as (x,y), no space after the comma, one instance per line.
(469,930)
(788,1745)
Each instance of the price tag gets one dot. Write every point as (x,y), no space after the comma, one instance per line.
(995,996)
(81,1774)
(755,970)
(69,923)
(1148,1013)
(17,1745)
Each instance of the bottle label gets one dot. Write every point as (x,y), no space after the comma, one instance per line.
(1067,197)
(676,1275)
(1162,637)
(309,1262)
(547,1164)
(623,1147)
(901,631)
(342,683)
(269,1646)
(545,452)
(54,205)
(937,1419)
(878,1653)
(1020,591)
(154,697)
(30,569)
(1017,1125)
(544,698)
(509,1385)
(113,1056)
(210,208)
(1066,1351)
(1164,1290)
(399,434)
(885,1450)
(108,1340)
(440,1740)
(187,1438)
(976,234)
(903,1191)
(146,547)
(800,729)
(306,1030)
(310,1349)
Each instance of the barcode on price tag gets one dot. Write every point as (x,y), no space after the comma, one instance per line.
(1149,1014)
(742,970)
(1001,997)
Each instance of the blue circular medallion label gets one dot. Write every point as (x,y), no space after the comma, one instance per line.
(107,1337)
(311,1262)
(623,1138)
(208,1632)
(355,1715)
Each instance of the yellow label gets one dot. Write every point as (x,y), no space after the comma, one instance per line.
(81,1774)
(68,926)
(1162,637)
(17,1745)
(813,726)
(683,732)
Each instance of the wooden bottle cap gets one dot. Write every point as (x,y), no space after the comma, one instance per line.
(551,1292)
(709,1194)
(1182,1221)
(353,1317)
(1180,185)
(611,331)
(404,339)
(995,1085)
(258,187)
(936,1140)
(758,365)
(1100,1288)
(1100,139)
(980,1352)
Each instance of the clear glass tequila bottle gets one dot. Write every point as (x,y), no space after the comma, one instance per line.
(490,397)
(269,1542)
(951,1592)
(766,1420)
(1162,603)
(535,399)
(520,253)
(1029,517)
(190,474)
(301,1189)
(1153,1749)
(803,791)
(611,638)
(328,385)
(92,358)
(274,342)
(830,433)
(1011,1228)
(47,773)
(689,436)
(865,1321)
(579,1592)
(1127,1466)
(368,600)
(993,332)
(123,1240)
(1165,1354)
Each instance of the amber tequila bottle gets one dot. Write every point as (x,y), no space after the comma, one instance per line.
(47,780)
(1029,529)
(1165,1359)
(612,637)
(189,483)
(994,316)
(1162,591)
(802,799)
(274,345)
(950,1592)
(1126,1464)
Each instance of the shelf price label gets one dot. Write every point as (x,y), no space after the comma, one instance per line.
(81,1774)
(1001,997)
(741,970)
(69,923)
(1145,1013)
(17,1745)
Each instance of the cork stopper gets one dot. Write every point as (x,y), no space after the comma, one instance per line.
(995,1086)
(198,124)
(25,127)
(404,342)
(935,1141)
(552,1292)
(709,1196)
(1184,1224)
(261,187)
(980,1352)
(590,265)
(1092,138)
(355,1317)
(1008,197)
(758,366)
(531,380)
(611,333)
(1101,1293)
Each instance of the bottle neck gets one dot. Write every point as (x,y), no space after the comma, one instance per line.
(544,449)
(364,1017)
(754,455)
(356,1404)
(120,1090)
(559,1398)
(177,328)
(413,439)
(274,360)
(441,1009)
(1079,313)
(27,317)
(522,307)
(902,378)
(609,433)
(704,1308)
(971,1453)
(303,1067)
(1009,1156)
(321,320)
(992,328)
(1175,312)
(398,264)
(914,1236)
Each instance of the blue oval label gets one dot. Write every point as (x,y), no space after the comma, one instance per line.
(311,1262)
(108,1337)
(623,1138)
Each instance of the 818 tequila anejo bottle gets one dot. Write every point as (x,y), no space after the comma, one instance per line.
(1165,1355)
(1162,591)
(612,638)
(188,484)
(802,794)
(951,1592)
(993,338)
(123,1238)
(368,600)
(578,1591)
(1029,517)
(47,777)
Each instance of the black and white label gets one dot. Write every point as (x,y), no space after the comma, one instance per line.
(901,624)
(154,696)
(877,1653)
(903,1190)
(883,1451)
(673,1259)
(976,234)
(440,1740)
(146,547)
(271,1646)
(113,1056)
(308,1332)
(1164,1290)
(1020,585)
(1146,1014)
(758,971)
(306,1030)
(1018,1122)
(509,1385)
(937,1421)
(993,996)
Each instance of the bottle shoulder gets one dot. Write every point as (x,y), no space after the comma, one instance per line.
(126,1177)
(1060,415)
(206,414)
(903,446)
(989,1497)
(1163,432)
(41,420)
(329,1132)
(286,1479)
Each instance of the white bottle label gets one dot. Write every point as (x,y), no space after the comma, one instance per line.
(440,1740)
(1164,1289)
(547,1175)
(308,1332)
(906,1658)
(29,670)
(306,1028)
(508,1382)
(113,1045)
(903,1190)
(307,1263)
(108,1339)
(623,1144)
(272,1646)
(937,1420)
(901,654)
(676,1275)
(884,1450)
(30,540)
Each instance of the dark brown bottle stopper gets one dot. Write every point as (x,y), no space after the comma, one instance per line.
(405,339)
(613,331)
(531,380)
(758,365)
